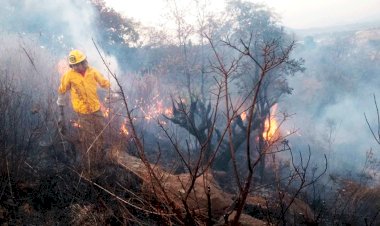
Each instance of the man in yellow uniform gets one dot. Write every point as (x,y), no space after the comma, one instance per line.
(82,81)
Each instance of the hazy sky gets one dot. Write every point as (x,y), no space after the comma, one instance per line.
(294,13)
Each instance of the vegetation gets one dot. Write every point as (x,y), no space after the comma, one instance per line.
(193,131)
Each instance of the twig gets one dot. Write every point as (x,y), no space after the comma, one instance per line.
(30,59)
(119,198)
(377,138)
(101,132)
(34,170)
(9,178)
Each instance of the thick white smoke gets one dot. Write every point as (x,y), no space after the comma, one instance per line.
(60,25)
(329,102)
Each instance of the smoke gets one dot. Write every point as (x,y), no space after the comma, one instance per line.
(329,99)
(329,102)
(59,26)
(36,37)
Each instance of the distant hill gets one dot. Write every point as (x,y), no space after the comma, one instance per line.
(348,28)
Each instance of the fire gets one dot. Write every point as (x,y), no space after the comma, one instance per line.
(153,109)
(270,126)
(124,129)
(168,112)
(162,122)
(243,116)
(105,111)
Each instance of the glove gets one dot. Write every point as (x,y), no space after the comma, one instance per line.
(112,96)
(61,100)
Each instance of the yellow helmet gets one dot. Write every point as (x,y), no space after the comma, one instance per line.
(76,56)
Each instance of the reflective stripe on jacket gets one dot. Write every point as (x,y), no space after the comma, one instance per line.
(84,97)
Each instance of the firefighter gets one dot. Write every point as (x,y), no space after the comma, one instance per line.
(82,81)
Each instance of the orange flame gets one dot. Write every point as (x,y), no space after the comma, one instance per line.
(124,129)
(243,116)
(168,112)
(105,111)
(154,109)
(270,126)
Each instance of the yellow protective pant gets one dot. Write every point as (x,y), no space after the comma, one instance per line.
(92,140)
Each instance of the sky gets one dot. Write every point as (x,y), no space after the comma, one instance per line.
(297,14)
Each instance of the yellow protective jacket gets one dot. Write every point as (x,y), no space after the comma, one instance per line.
(83,89)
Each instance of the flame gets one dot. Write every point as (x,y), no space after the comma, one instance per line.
(243,116)
(105,110)
(124,129)
(154,109)
(148,117)
(271,126)
(168,112)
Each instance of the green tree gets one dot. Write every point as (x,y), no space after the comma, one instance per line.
(117,34)
(254,32)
